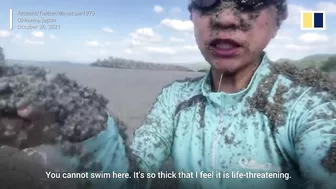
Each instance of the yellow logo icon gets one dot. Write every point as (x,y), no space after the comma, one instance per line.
(313,20)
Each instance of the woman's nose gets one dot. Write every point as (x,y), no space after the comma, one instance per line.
(225,18)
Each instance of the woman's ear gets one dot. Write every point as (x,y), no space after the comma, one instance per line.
(275,31)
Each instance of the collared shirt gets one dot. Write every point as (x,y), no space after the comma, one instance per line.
(279,132)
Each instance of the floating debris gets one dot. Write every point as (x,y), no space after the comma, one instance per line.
(74,114)
(22,171)
(78,112)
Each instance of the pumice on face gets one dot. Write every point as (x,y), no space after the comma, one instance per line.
(244,23)
(246,12)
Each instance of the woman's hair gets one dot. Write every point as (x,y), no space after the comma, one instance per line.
(282,11)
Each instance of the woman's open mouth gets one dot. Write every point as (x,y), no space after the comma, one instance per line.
(225,48)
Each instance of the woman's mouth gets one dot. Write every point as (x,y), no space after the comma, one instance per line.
(225,48)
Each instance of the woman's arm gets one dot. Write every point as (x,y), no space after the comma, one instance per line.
(109,153)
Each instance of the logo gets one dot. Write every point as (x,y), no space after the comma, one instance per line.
(313,20)
(254,165)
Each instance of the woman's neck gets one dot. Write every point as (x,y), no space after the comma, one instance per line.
(232,82)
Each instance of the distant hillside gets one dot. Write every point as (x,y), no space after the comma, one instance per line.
(324,62)
(197,66)
(329,65)
(203,70)
(113,62)
(32,62)
(316,61)
(2,56)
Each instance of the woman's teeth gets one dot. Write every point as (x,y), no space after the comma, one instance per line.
(224,46)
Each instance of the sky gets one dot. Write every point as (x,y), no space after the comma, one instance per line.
(146,30)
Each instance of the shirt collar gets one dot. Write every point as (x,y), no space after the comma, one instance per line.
(228,99)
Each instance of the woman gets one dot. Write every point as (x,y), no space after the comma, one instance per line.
(249,122)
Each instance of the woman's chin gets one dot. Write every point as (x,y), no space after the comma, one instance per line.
(225,66)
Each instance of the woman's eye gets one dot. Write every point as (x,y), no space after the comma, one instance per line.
(252,7)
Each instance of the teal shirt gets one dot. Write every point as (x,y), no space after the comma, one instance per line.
(279,126)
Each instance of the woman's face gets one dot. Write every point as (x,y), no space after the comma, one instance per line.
(230,38)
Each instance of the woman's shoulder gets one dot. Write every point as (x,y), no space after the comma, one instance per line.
(185,84)
(300,90)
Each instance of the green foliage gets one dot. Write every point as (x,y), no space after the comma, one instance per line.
(329,65)
(324,62)
(316,60)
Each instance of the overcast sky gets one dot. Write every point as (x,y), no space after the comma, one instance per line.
(148,30)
